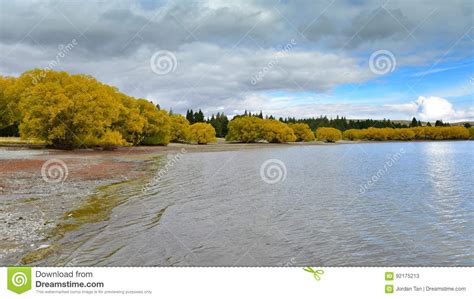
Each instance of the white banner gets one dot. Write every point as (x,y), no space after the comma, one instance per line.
(310,282)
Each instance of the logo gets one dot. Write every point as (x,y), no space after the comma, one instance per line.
(19,279)
(316,273)
(382,62)
(273,171)
(163,62)
(54,171)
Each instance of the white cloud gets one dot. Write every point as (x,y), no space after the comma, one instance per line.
(434,108)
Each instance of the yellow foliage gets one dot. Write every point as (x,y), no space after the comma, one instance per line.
(63,109)
(78,111)
(471,132)
(252,129)
(354,134)
(431,133)
(8,102)
(275,131)
(302,132)
(179,128)
(328,134)
(202,133)
(244,129)
(157,129)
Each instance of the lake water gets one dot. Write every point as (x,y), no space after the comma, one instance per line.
(372,204)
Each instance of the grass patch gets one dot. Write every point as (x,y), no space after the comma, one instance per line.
(19,141)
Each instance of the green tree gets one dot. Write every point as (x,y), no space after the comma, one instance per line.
(190,116)
(219,122)
(198,116)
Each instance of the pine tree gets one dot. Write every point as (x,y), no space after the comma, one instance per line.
(190,116)
(414,123)
(198,116)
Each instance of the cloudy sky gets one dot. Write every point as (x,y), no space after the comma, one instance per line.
(392,59)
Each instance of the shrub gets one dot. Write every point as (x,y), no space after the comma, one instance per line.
(404,134)
(252,129)
(302,132)
(157,129)
(202,133)
(354,134)
(63,109)
(275,131)
(179,128)
(328,134)
(375,134)
(244,129)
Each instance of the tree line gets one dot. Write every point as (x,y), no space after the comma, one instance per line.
(254,129)
(72,111)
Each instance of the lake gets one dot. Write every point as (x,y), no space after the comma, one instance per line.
(368,204)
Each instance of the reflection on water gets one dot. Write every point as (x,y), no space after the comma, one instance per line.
(214,209)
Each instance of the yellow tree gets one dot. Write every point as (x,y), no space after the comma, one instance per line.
(158,125)
(328,134)
(375,134)
(302,132)
(131,123)
(68,111)
(202,133)
(275,131)
(9,111)
(354,134)
(179,128)
(244,129)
